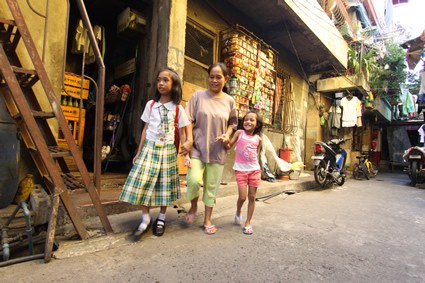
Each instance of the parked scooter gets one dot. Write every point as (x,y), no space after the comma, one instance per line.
(329,162)
(415,158)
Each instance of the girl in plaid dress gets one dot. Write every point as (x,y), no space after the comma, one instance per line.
(154,179)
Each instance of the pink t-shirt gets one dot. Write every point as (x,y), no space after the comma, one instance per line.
(246,158)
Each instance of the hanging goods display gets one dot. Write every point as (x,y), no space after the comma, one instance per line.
(252,67)
(290,120)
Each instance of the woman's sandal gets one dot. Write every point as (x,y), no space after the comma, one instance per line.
(247,230)
(189,218)
(210,230)
(238,220)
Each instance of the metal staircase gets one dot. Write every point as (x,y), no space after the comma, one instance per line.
(16,88)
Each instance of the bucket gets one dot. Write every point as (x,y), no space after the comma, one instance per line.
(285,154)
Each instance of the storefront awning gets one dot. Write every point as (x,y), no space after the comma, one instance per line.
(300,27)
(321,30)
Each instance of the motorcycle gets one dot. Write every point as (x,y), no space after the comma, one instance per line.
(329,162)
(415,159)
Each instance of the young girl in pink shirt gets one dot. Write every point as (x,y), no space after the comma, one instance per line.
(246,166)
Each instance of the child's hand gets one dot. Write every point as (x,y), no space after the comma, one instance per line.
(187,162)
(223,138)
(134,159)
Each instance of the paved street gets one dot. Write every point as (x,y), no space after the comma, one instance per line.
(364,231)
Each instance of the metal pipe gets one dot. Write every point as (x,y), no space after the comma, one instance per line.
(99,96)
(6,247)
(27,216)
(66,41)
(45,17)
(21,259)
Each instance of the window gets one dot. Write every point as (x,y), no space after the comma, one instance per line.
(200,44)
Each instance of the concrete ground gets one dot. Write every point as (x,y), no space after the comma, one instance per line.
(364,231)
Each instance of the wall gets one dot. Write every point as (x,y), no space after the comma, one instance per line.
(177,35)
(55,49)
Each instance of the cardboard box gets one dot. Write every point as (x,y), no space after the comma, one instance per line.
(75,92)
(74,80)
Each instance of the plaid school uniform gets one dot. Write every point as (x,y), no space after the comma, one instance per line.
(153,179)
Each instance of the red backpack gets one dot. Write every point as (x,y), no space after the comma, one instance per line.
(176,127)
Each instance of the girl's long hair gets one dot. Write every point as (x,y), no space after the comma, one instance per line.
(176,90)
(260,122)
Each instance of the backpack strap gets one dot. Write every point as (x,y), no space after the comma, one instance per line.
(176,129)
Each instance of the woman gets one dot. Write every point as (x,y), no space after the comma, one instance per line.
(213,115)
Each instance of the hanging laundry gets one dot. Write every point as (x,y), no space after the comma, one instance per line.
(334,119)
(349,111)
(422,86)
(408,105)
(421,132)
(359,113)
(81,41)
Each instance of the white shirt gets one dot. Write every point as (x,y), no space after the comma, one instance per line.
(154,119)
(421,132)
(349,111)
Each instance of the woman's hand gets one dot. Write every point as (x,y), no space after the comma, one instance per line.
(186,147)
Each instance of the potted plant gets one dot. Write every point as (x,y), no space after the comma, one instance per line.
(390,74)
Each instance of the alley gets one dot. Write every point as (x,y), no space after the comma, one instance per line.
(365,231)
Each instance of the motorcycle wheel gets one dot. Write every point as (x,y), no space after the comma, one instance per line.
(374,170)
(356,172)
(320,173)
(414,173)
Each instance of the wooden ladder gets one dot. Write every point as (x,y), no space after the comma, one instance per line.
(16,88)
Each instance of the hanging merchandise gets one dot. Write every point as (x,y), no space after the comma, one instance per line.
(81,42)
(290,120)
(252,65)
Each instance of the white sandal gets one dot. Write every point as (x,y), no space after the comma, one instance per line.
(238,220)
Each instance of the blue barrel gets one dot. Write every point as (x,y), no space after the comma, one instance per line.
(9,158)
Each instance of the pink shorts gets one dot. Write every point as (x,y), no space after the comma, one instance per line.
(250,178)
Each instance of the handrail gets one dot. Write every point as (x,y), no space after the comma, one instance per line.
(99,96)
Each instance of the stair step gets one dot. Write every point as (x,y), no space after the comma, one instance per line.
(37,115)
(57,152)
(43,115)
(26,77)
(7,21)
(9,34)
(71,182)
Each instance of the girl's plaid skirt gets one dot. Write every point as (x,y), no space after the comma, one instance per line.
(154,177)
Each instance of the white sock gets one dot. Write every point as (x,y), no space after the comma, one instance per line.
(145,222)
(161,216)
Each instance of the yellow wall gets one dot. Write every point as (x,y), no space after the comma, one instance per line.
(54,50)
